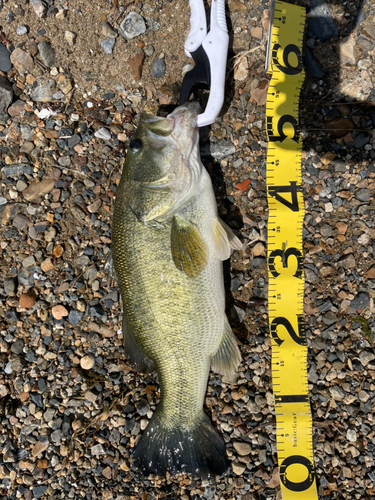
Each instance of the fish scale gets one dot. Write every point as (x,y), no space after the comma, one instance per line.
(169,297)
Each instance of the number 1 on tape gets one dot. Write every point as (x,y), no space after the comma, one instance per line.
(285,260)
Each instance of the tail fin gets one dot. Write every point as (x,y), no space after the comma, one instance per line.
(198,450)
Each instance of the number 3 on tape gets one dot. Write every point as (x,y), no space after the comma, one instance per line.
(285,259)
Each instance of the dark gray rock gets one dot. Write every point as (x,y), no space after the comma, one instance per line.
(234,284)
(325,306)
(108,96)
(65,194)
(97,311)
(238,313)
(361,16)
(143,407)
(10,17)
(25,277)
(47,54)
(17,346)
(321,23)
(258,261)
(132,26)
(5,63)
(326,230)
(56,437)
(330,318)
(20,221)
(10,287)
(360,140)
(6,97)
(11,315)
(312,65)
(37,399)
(74,140)
(363,194)
(83,260)
(42,384)
(310,276)
(75,317)
(19,169)
(30,356)
(360,301)
(158,68)
(323,482)
(39,491)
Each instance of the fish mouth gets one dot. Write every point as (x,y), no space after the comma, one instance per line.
(181,135)
(185,131)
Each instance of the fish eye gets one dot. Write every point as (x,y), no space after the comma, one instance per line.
(135,145)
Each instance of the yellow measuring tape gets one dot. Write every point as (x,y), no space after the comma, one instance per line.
(285,260)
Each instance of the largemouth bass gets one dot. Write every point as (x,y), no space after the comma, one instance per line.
(168,245)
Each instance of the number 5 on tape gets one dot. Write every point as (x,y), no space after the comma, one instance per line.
(285,260)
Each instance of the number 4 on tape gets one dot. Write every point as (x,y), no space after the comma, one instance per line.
(285,259)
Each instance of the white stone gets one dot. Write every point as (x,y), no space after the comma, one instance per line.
(46,113)
(103,133)
(70,37)
(242,70)
(351,435)
(97,450)
(364,239)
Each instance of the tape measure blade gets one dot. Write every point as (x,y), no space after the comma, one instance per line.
(285,258)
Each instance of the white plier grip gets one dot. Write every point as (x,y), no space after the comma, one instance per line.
(215,45)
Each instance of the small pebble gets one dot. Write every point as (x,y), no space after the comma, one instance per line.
(59,312)
(107,45)
(238,468)
(22,30)
(351,435)
(47,54)
(27,300)
(70,37)
(132,26)
(40,8)
(87,362)
(149,50)
(158,68)
(108,31)
(17,346)
(242,448)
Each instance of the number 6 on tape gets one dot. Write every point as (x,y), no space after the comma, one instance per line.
(285,259)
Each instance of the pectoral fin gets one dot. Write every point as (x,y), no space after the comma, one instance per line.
(227,358)
(225,240)
(137,358)
(189,251)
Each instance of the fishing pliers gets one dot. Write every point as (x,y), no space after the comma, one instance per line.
(207,43)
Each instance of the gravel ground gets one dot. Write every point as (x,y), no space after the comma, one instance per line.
(73,76)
